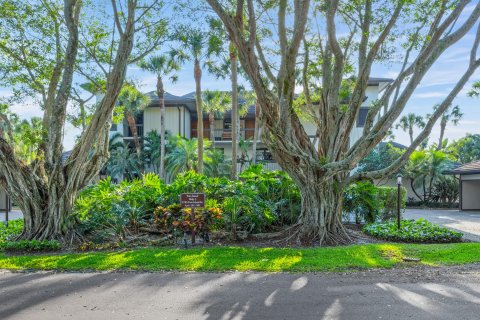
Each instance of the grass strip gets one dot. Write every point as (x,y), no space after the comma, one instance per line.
(343,258)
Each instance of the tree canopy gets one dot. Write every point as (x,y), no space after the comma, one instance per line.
(46,47)
(283,41)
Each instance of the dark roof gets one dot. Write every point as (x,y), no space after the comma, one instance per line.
(375,81)
(188,100)
(171,100)
(469,168)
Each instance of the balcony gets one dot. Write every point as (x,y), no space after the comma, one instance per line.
(127,133)
(224,134)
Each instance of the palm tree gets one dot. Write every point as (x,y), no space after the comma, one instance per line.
(215,103)
(183,157)
(424,168)
(416,170)
(162,66)
(152,150)
(199,45)
(438,162)
(244,145)
(122,163)
(451,115)
(408,122)
(235,117)
(216,166)
(133,101)
(250,98)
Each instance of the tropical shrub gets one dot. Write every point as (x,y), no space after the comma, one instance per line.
(277,195)
(31,245)
(370,203)
(174,218)
(14,229)
(420,230)
(446,190)
(388,200)
(421,204)
(260,201)
(362,200)
(145,192)
(97,198)
(121,220)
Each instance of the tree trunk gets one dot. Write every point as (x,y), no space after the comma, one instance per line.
(211,120)
(48,216)
(424,189)
(410,133)
(233,64)
(161,93)
(198,94)
(46,201)
(443,125)
(430,188)
(45,190)
(83,116)
(256,135)
(414,190)
(133,127)
(320,219)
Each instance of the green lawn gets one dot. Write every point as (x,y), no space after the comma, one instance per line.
(243,259)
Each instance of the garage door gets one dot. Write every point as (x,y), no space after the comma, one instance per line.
(470,195)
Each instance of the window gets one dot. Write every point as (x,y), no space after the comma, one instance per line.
(362,116)
(227,124)
(264,155)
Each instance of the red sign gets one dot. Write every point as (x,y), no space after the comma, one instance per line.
(192,200)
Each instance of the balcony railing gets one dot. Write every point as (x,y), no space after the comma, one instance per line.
(127,132)
(224,134)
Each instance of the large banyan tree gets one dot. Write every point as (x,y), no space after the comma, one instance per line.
(326,49)
(47,47)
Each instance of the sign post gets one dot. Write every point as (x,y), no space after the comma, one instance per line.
(192,201)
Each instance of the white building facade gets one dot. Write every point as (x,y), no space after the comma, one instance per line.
(181,119)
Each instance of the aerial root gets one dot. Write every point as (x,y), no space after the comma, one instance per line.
(298,234)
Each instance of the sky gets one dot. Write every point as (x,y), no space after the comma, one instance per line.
(433,88)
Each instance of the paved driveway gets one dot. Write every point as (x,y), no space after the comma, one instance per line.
(467,222)
(12,215)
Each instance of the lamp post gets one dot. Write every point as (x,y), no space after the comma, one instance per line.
(399,185)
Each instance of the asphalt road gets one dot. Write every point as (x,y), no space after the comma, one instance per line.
(467,222)
(414,293)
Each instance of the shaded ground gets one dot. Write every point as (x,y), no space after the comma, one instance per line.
(414,293)
(467,222)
